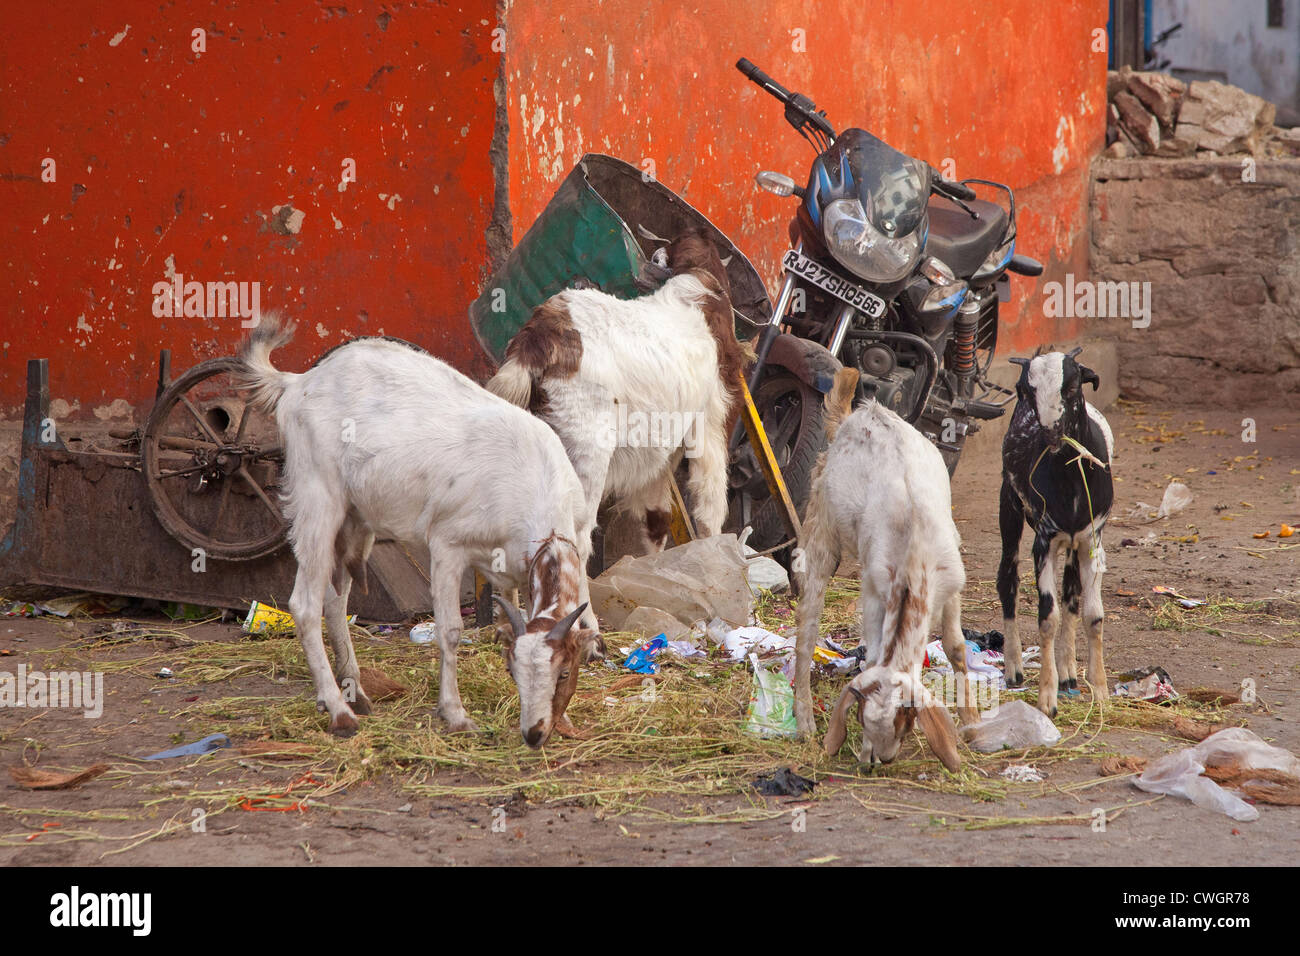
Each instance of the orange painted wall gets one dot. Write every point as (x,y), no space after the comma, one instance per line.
(163,155)
(1010,91)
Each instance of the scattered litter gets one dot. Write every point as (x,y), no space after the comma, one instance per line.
(771,704)
(980,664)
(686,649)
(1014,726)
(642,660)
(699,580)
(1235,758)
(783,783)
(197,749)
(34,779)
(424,633)
(1177,497)
(1152,684)
(984,640)
(1286,531)
(1023,773)
(264,619)
(1186,602)
(741,641)
(165,672)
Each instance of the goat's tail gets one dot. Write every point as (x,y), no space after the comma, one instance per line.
(839,401)
(513,382)
(256,371)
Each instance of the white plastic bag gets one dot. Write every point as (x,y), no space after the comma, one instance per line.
(1014,726)
(698,580)
(1181,774)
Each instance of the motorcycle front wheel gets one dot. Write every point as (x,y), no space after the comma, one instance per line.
(791,412)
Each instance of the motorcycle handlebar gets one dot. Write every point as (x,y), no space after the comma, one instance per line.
(799,109)
(955,190)
(759,78)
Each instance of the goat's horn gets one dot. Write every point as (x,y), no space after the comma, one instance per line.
(562,627)
(1038,351)
(1075,351)
(512,614)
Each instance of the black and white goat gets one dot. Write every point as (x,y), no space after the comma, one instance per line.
(1065,495)
(881,495)
(632,385)
(384,441)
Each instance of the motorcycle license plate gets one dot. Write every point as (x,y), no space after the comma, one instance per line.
(844,290)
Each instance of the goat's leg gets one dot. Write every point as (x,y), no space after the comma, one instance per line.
(444,577)
(1093,566)
(1046,551)
(1011,520)
(656,503)
(351,548)
(313,547)
(1067,672)
(708,477)
(346,670)
(954,645)
(820,555)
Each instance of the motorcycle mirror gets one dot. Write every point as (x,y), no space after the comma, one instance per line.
(777,183)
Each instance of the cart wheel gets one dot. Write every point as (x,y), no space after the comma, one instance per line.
(213,465)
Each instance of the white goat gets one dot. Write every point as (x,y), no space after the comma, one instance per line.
(881,495)
(630,386)
(384,441)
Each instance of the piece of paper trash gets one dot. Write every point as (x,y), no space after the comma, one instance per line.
(821,859)
(1023,773)
(1181,599)
(686,649)
(740,642)
(197,749)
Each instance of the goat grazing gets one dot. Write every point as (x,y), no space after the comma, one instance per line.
(1065,495)
(631,385)
(384,441)
(881,495)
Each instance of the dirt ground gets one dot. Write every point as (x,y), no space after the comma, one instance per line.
(140,813)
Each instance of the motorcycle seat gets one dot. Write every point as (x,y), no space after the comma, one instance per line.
(961,242)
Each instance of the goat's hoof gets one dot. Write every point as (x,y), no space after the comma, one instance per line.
(344,725)
(362,705)
(1016,679)
(462,725)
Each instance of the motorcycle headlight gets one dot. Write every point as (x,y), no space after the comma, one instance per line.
(863,249)
(996,261)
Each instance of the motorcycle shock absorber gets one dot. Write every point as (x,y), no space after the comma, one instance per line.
(964,328)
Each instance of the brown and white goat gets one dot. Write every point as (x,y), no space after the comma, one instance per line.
(384,441)
(881,495)
(631,386)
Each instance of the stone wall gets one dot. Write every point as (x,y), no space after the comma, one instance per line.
(1219,242)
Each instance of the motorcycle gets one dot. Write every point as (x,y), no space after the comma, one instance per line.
(892,269)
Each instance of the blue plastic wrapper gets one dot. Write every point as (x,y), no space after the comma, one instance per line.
(642,660)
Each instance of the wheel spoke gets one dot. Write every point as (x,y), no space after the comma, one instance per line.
(181,472)
(271,506)
(199,418)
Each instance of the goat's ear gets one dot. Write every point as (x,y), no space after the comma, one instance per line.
(940,733)
(589,644)
(837,729)
(1088,375)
